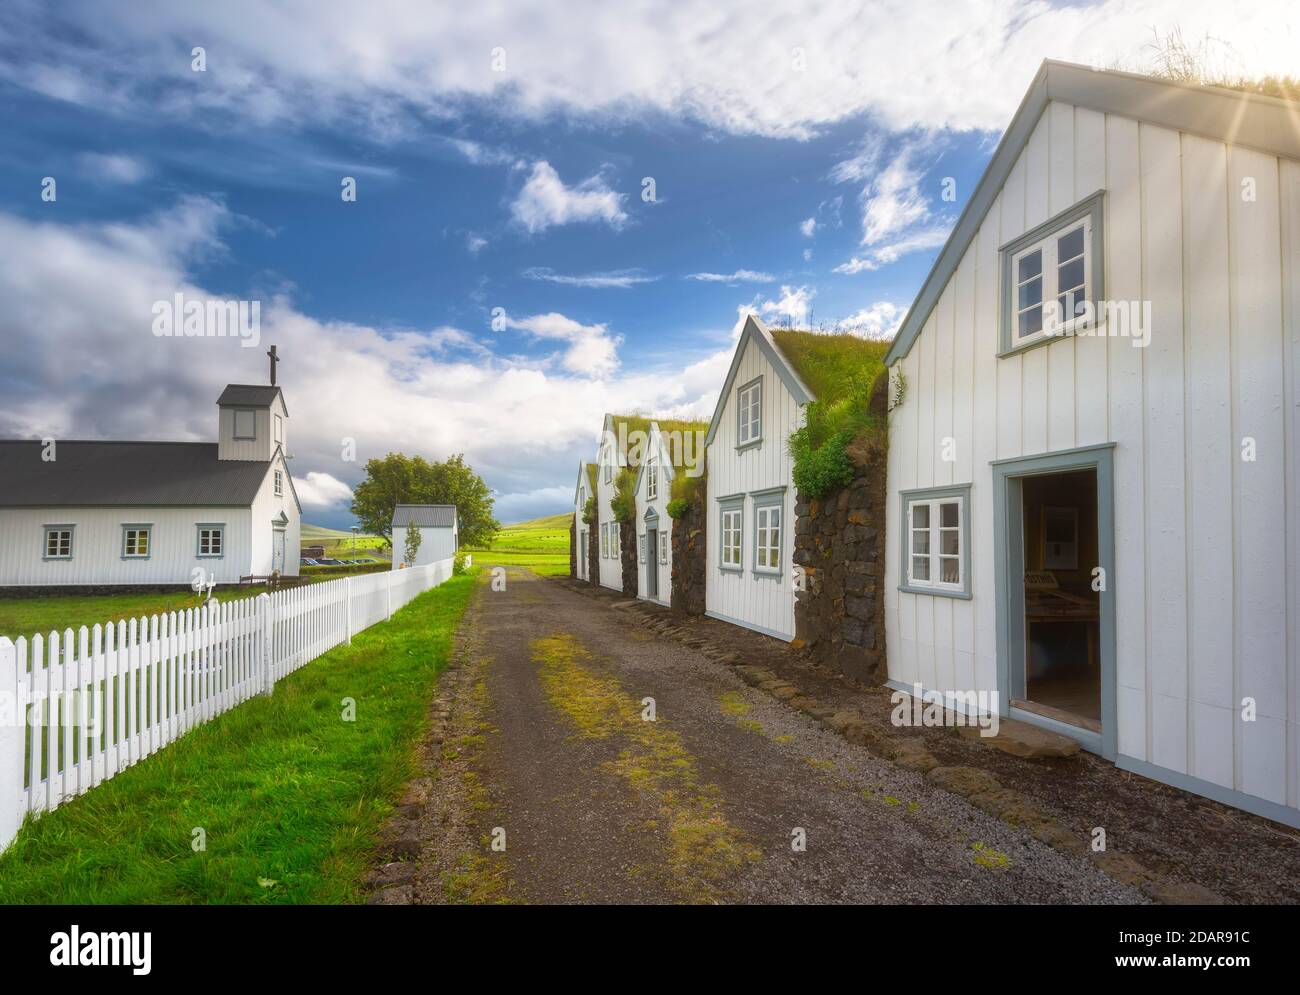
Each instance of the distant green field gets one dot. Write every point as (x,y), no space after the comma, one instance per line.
(343,544)
(541,544)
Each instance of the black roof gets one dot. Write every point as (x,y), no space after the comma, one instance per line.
(250,395)
(125,473)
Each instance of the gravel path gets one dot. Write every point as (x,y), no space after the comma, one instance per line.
(706,804)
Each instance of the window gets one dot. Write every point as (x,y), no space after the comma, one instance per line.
(608,464)
(663,547)
(640,548)
(136,541)
(279,484)
(749,402)
(212,540)
(652,480)
(767,541)
(936,541)
(730,535)
(279,429)
(58,542)
(245,424)
(1052,277)
(604,541)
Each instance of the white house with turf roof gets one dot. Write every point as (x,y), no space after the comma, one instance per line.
(126,513)
(1093,468)
(582,492)
(675,449)
(749,579)
(617,436)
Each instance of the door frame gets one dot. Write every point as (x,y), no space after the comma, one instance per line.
(1008,544)
(651,520)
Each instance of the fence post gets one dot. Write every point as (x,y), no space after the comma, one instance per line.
(347,595)
(265,608)
(12,728)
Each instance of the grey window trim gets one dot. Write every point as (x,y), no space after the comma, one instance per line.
(277,428)
(1091,206)
(70,528)
(758,439)
(277,483)
(147,528)
(772,497)
(962,491)
(198,543)
(663,547)
(234,427)
(735,502)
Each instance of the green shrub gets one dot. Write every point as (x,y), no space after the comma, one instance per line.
(458,563)
(821,469)
(677,507)
(589,511)
(623,503)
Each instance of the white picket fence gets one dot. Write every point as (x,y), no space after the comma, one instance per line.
(77,708)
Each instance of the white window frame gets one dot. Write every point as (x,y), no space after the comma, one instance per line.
(1086,216)
(57,530)
(749,413)
(279,429)
(279,483)
(731,525)
(663,547)
(651,479)
(137,529)
(641,547)
(214,529)
(251,413)
(604,541)
(934,499)
(764,548)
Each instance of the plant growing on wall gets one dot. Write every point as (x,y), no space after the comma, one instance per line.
(623,503)
(682,494)
(413,540)
(589,511)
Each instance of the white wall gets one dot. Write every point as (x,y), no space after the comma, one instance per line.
(436,544)
(580,528)
(1206,604)
(611,568)
(97,546)
(762,602)
(260,447)
(660,505)
(267,507)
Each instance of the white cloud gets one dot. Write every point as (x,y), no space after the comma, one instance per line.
(907,63)
(883,255)
(113,168)
(879,321)
(545,201)
(321,491)
(808,227)
(807,255)
(740,276)
(89,290)
(791,309)
(475,243)
(892,202)
(593,350)
(622,278)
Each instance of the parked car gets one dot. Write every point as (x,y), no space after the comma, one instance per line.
(328,561)
(307,562)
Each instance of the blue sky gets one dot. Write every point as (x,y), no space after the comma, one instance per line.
(798,158)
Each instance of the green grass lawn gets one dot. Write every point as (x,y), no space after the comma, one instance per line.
(288,793)
(542,545)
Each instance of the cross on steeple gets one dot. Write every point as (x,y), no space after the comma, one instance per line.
(274,359)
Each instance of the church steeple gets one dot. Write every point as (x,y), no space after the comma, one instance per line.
(252,420)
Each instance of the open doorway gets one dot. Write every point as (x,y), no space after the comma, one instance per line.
(1061,610)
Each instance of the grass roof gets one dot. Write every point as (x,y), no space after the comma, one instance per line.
(838,368)
(676,443)
(591,476)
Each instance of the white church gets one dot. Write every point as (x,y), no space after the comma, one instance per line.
(126,514)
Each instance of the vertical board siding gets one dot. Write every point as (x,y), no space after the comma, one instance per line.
(98,700)
(760,601)
(1207,542)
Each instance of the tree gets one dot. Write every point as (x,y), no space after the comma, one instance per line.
(400,479)
(413,539)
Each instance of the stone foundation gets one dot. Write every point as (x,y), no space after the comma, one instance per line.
(690,533)
(627,542)
(573,548)
(839,540)
(593,553)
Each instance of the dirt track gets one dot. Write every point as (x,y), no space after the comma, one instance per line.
(547,750)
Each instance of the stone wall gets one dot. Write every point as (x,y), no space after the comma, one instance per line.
(839,541)
(573,547)
(627,540)
(593,553)
(690,533)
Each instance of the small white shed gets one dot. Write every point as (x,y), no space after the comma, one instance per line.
(439,533)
